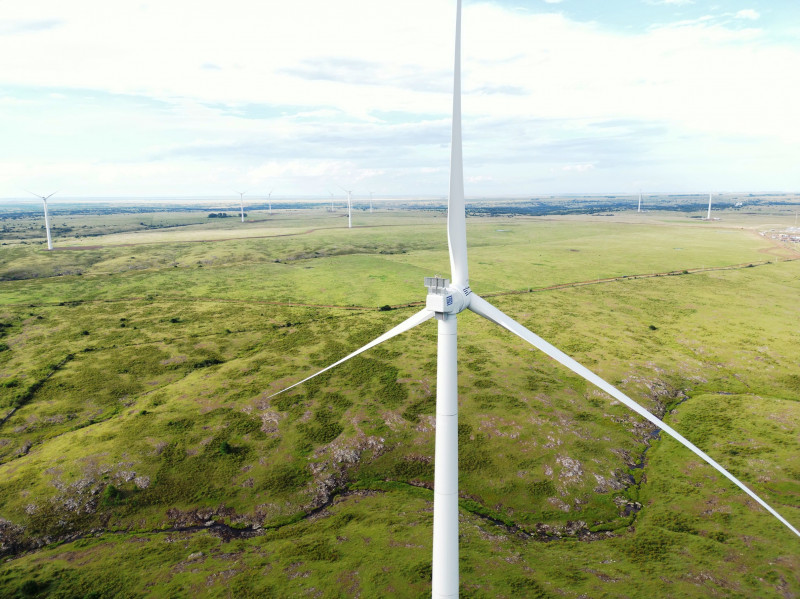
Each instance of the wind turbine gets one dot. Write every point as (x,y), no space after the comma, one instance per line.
(370,202)
(269,201)
(241,202)
(445,300)
(330,192)
(709,207)
(46,216)
(640,201)
(349,208)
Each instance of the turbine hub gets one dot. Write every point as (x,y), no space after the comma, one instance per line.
(444,298)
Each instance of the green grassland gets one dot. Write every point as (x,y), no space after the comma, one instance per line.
(142,455)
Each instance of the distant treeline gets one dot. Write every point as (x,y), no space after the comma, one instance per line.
(539,208)
(534,207)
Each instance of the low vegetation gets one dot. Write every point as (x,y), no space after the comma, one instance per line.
(141,452)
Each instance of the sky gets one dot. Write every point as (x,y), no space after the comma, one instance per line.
(112,98)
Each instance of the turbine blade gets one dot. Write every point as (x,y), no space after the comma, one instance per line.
(456,218)
(51,195)
(488,311)
(404,326)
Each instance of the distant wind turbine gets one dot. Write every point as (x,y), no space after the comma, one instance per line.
(370,202)
(241,202)
(269,200)
(709,207)
(332,196)
(444,302)
(46,216)
(640,200)
(349,208)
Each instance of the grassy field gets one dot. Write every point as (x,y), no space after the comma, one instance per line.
(141,453)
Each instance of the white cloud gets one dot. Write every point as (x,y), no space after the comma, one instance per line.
(671,2)
(554,1)
(578,168)
(305,93)
(748,13)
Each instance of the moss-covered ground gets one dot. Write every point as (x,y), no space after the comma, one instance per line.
(142,455)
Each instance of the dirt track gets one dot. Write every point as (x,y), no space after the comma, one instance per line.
(306,232)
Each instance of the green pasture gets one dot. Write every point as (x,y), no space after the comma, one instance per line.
(141,452)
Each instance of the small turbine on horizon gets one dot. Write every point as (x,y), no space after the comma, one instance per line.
(709,207)
(46,216)
(241,202)
(349,207)
(640,201)
(370,202)
(269,201)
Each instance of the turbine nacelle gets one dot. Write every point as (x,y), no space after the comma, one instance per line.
(444,298)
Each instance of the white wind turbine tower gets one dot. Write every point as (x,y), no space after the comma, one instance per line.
(269,201)
(640,201)
(46,216)
(444,302)
(241,202)
(349,208)
(709,207)
(370,202)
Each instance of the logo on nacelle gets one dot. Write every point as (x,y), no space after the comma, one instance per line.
(449,300)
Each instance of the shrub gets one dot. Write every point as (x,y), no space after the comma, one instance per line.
(316,550)
(205,362)
(29,588)
(526,587)
(285,478)
(675,521)
(285,402)
(180,424)
(111,495)
(408,469)
(542,488)
(320,432)
(420,572)
(472,458)
(647,546)
(426,405)
(336,400)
